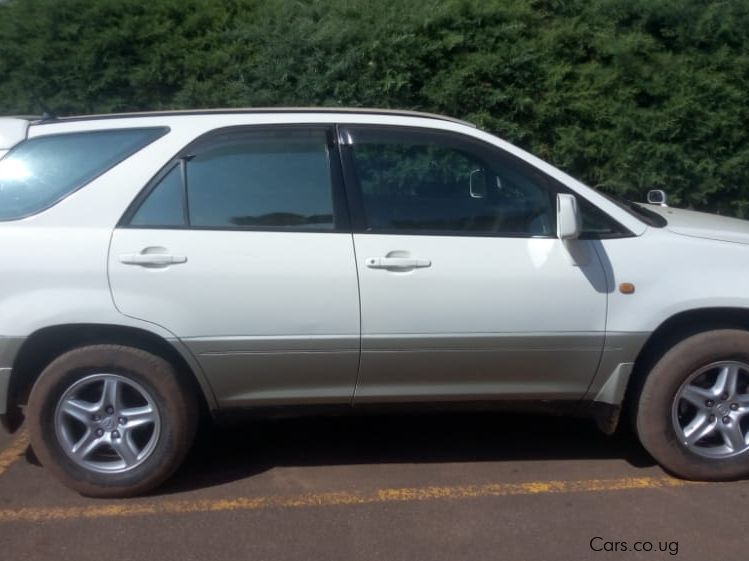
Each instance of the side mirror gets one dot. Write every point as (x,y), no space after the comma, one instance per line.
(477,184)
(569,219)
(657,197)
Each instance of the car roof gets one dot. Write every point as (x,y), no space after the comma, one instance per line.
(328,110)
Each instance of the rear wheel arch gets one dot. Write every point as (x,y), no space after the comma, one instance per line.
(111,420)
(48,343)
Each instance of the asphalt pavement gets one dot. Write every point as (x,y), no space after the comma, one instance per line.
(458,487)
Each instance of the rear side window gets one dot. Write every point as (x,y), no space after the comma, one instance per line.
(246,180)
(41,171)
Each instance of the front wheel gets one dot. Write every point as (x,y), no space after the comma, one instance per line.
(111,421)
(693,411)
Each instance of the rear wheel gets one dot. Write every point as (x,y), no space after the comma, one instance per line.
(111,421)
(693,410)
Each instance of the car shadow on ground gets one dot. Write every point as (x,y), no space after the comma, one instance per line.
(228,453)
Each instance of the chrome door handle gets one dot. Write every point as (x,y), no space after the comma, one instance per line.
(159,259)
(397,263)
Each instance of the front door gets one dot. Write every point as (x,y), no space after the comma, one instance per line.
(241,249)
(466,292)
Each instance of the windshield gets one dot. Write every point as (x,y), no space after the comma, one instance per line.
(637,210)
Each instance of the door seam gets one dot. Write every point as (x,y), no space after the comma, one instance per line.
(358,289)
(609,289)
(349,209)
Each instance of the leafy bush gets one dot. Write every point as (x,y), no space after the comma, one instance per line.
(627,95)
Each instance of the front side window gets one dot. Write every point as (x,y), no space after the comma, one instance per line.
(41,171)
(254,179)
(413,181)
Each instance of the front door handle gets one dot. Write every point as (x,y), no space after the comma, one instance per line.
(153,259)
(397,263)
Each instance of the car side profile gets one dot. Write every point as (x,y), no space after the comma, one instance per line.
(159,266)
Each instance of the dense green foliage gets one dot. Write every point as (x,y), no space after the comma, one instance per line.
(624,94)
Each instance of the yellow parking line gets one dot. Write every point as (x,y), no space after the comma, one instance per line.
(336,498)
(14,451)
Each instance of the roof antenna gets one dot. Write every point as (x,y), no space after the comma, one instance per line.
(48,114)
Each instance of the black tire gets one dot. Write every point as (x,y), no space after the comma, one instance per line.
(176,406)
(653,412)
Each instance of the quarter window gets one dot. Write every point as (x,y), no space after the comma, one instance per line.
(41,171)
(597,224)
(414,181)
(164,206)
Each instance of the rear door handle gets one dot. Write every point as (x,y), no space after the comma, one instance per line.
(157,259)
(397,263)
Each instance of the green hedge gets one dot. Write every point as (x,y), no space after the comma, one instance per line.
(627,95)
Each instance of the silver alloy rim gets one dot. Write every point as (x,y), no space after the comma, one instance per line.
(107,423)
(710,411)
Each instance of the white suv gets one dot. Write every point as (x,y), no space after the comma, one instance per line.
(154,265)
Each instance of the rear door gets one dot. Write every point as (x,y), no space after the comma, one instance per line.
(466,292)
(241,248)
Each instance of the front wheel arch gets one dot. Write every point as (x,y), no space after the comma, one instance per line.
(670,333)
(699,364)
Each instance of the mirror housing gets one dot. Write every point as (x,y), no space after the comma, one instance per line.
(657,197)
(569,218)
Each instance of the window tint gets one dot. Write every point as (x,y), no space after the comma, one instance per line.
(597,224)
(413,181)
(41,171)
(263,179)
(163,207)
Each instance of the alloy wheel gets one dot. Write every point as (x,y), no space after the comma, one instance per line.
(107,423)
(710,412)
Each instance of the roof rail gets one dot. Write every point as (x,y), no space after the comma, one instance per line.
(356,110)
